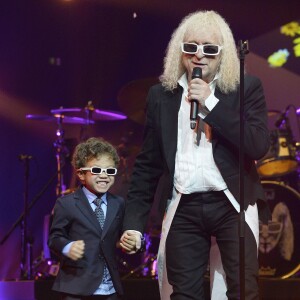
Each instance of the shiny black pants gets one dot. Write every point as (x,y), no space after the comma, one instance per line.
(198,217)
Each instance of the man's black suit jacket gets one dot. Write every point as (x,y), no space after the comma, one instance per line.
(157,157)
(74,220)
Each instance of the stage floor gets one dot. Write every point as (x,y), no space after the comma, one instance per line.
(142,289)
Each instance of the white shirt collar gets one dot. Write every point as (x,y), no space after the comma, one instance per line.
(182,81)
(91,196)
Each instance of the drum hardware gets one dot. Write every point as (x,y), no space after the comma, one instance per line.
(279,240)
(283,119)
(149,258)
(90,115)
(146,267)
(83,116)
(142,269)
(282,157)
(45,268)
(68,191)
(27,240)
(61,153)
(273,112)
(150,267)
(61,150)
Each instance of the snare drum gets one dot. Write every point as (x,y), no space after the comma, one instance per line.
(281,157)
(279,241)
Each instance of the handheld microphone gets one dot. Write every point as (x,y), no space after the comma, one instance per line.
(197,73)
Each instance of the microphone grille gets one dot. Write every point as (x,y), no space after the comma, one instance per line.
(197,73)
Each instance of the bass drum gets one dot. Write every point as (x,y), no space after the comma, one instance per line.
(279,241)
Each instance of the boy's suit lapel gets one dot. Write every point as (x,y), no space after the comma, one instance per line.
(84,206)
(112,209)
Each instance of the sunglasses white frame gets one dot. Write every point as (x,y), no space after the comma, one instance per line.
(201,47)
(103,170)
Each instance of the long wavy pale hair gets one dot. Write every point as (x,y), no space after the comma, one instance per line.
(229,68)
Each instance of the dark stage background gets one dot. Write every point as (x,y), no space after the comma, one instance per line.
(56,53)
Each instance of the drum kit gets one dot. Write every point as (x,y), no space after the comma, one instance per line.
(279,240)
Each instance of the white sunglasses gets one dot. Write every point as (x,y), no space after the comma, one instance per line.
(207,49)
(98,170)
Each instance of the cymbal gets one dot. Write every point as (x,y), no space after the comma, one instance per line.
(58,118)
(273,112)
(91,114)
(68,191)
(132,98)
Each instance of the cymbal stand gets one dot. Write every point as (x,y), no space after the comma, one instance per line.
(26,241)
(89,112)
(88,109)
(61,152)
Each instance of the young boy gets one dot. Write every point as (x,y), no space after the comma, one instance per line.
(85,232)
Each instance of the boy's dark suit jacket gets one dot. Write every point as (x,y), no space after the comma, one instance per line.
(74,220)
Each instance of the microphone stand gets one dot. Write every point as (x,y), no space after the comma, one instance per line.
(243,50)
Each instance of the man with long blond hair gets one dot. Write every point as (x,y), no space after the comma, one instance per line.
(199,168)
